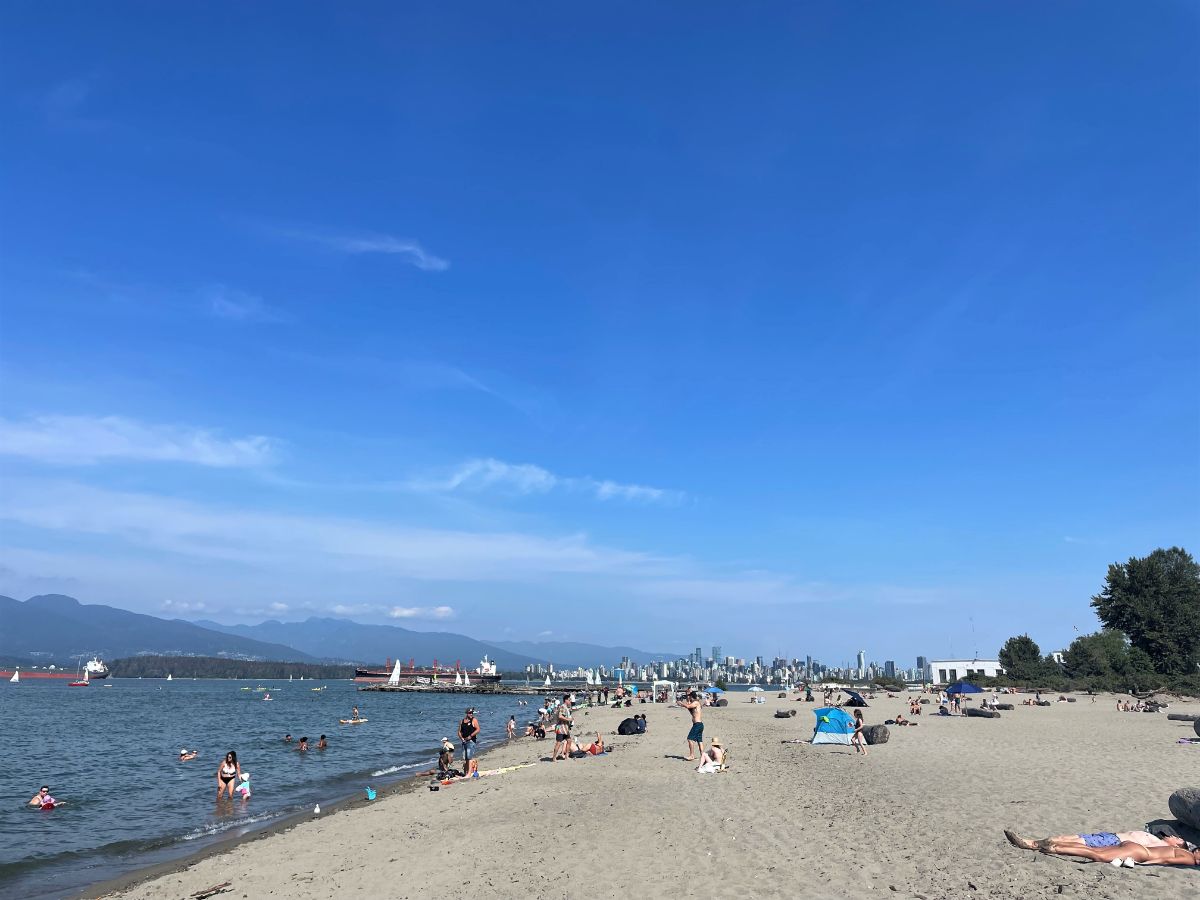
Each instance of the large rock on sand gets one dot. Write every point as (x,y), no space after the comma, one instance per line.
(1185,806)
(876,734)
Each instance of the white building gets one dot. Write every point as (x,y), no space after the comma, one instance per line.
(946,671)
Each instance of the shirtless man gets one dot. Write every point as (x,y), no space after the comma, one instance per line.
(696,736)
(1106,846)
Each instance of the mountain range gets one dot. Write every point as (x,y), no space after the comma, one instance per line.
(53,628)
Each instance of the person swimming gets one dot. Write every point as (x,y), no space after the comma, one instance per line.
(322,744)
(185,755)
(43,799)
(302,747)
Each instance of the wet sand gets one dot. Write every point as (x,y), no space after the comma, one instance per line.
(920,817)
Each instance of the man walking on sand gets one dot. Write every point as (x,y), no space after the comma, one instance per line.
(696,735)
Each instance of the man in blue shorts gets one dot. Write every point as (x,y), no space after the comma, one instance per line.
(696,735)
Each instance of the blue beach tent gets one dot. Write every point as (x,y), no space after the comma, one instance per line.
(834,726)
(963,687)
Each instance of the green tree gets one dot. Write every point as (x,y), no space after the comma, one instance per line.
(1155,601)
(1021,658)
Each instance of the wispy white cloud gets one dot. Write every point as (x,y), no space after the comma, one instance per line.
(525,478)
(421,612)
(367,243)
(225,302)
(184,606)
(87,440)
(306,544)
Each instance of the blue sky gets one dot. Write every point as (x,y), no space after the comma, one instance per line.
(791,327)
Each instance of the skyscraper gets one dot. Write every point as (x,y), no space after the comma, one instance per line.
(889,668)
(717,653)
(922,666)
(862,663)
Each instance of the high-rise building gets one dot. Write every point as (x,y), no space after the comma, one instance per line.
(808,667)
(862,663)
(922,667)
(889,669)
(716,653)
(697,657)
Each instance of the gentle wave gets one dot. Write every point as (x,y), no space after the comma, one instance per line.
(215,828)
(391,770)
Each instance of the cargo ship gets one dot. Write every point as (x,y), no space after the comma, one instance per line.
(31,674)
(436,674)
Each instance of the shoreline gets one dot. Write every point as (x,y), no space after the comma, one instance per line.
(113,887)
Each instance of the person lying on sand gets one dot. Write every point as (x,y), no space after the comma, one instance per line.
(1130,847)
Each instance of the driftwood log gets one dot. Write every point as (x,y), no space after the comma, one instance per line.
(1185,806)
(1196,727)
(1182,717)
(976,713)
(876,734)
(1005,706)
(784,713)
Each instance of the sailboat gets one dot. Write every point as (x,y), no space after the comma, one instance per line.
(83,683)
(394,678)
(466,679)
(458,679)
(547,681)
(168,676)
(16,679)
(289,678)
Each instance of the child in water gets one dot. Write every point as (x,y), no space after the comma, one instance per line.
(244,787)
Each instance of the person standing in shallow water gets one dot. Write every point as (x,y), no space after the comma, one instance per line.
(228,773)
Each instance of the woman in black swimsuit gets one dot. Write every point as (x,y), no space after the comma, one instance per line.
(227,774)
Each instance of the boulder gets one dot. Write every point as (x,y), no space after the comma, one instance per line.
(876,734)
(782,695)
(722,702)
(1005,706)
(924,699)
(1185,806)
(784,713)
(976,713)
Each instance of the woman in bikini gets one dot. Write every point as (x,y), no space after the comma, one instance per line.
(858,739)
(1140,847)
(228,773)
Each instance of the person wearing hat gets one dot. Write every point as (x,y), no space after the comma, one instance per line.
(445,758)
(185,754)
(468,732)
(713,759)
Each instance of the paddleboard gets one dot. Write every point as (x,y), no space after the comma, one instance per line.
(352,721)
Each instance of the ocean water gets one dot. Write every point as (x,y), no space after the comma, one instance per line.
(112,755)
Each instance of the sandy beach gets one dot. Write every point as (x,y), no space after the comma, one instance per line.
(920,817)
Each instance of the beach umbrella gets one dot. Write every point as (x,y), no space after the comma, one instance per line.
(963,687)
(713,690)
(756,689)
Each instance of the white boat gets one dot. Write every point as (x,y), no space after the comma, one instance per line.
(466,679)
(394,678)
(289,678)
(547,681)
(16,679)
(96,668)
(168,677)
(458,679)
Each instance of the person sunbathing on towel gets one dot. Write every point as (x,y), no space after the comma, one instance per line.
(1131,847)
